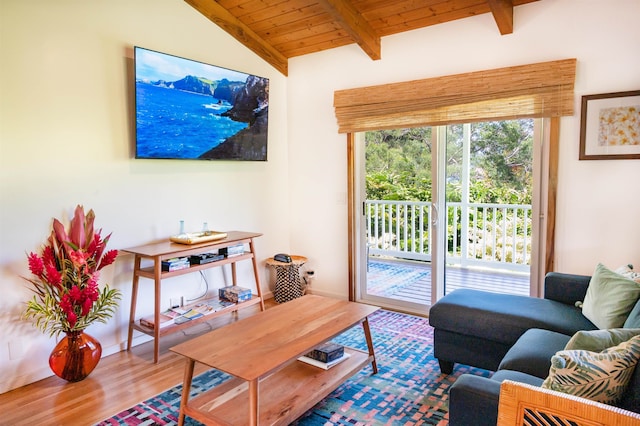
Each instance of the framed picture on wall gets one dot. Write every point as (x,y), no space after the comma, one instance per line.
(610,126)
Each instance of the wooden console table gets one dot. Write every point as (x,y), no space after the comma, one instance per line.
(158,252)
(261,352)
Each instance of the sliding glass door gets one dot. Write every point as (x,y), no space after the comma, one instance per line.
(397,217)
(444,208)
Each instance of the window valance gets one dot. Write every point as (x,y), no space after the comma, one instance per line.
(527,91)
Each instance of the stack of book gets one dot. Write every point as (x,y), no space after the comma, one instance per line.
(232,251)
(175,264)
(166,318)
(326,355)
(234,293)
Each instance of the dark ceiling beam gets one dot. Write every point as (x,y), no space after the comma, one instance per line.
(343,12)
(225,20)
(502,11)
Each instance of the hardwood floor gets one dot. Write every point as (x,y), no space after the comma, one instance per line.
(120,381)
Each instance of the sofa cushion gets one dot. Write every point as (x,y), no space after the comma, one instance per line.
(532,352)
(599,340)
(631,398)
(565,288)
(503,318)
(516,376)
(599,376)
(471,398)
(610,298)
(633,320)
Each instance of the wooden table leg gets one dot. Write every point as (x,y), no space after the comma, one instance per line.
(157,277)
(367,336)
(253,402)
(186,389)
(134,300)
(256,275)
(234,274)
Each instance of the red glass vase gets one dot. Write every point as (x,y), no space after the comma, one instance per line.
(75,356)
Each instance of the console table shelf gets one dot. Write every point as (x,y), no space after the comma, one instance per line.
(169,329)
(157,252)
(150,273)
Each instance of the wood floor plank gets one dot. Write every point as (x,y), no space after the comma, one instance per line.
(120,381)
(124,379)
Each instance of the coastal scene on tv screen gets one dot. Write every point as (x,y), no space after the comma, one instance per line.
(187,109)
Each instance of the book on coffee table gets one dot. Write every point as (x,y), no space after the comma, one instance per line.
(324,365)
(326,352)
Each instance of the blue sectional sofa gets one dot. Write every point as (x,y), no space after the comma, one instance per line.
(477,328)
(515,336)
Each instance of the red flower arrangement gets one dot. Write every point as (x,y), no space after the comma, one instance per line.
(67,297)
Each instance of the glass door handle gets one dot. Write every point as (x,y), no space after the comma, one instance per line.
(434,215)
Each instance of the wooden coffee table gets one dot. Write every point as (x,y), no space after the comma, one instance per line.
(269,386)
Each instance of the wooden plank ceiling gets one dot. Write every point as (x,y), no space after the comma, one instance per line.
(277,30)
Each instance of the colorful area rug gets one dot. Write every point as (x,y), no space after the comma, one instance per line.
(408,389)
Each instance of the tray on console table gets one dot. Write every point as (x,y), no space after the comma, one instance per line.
(261,352)
(159,251)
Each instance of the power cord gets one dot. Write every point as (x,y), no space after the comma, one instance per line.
(206,288)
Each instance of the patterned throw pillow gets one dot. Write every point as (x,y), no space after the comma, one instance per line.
(598,376)
(628,272)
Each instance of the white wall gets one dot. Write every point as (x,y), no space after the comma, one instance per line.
(598,201)
(66,134)
(66,138)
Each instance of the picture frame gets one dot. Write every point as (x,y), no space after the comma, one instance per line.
(610,126)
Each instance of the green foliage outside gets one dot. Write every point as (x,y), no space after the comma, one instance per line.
(398,164)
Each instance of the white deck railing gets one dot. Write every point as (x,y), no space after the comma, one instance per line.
(478,234)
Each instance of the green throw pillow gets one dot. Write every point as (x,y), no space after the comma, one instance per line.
(599,340)
(609,299)
(598,376)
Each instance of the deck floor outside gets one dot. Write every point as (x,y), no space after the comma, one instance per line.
(411,281)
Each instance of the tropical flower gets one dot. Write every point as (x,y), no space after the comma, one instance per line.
(65,278)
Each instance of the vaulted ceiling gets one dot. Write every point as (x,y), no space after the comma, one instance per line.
(277,30)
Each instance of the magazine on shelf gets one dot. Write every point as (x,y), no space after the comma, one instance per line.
(172,313)
(180,310)
(204,307)
(324,365)
(212,305)
(192,314)
(180,315)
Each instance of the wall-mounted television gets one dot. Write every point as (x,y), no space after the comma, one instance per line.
(187,109)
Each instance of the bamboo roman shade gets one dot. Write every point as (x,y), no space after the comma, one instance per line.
(538,90)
